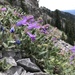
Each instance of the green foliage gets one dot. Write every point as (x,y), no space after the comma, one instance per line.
(70,40)
(24,7)
(57,19)
(53,60)
(63,21)
(63,37)
(4,66)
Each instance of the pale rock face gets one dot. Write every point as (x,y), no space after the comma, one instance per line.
(33,3)
(3,73)
(31,6)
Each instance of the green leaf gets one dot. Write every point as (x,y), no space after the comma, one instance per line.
(11,41)
(5,45)
(42,53)
(5,66)
(13,46)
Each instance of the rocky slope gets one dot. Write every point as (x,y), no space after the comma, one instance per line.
(62,20)
(26,66)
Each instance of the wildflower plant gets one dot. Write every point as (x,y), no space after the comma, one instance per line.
(22,31)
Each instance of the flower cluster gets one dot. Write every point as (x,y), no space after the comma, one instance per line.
(29,24)
(25,33)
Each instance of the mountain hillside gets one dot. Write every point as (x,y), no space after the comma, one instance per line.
(35,41)
(70,11)
(62,20)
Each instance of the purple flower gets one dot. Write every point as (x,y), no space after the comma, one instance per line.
(71,62)
(3,9)
(73,49)
(72,57)
(32,21)
(43,30)
(40,21)
(25,20)
(21,22)
(54,38)
(17,14)
(12,30)
(31,36)
(33,25)
(29,17)
(24,17)
(18,41)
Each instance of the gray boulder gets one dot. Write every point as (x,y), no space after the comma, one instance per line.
(2,73)
(40,73)
(16,70)
(0,54)
(8,53)
(7,63)
(18,55)
(12,53)
(28,65)
(11,61)
(35,73)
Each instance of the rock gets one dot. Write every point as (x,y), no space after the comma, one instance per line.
(7,63)
(0,54)
(2,73)
(33,3)
(35,73)
(11,61)
(40,73)
(16,70)
(23,73)
(15,2)
(28,65)
(16,73)
(17,55)
(3,2)
(8,53)
(28,73)
(62,45)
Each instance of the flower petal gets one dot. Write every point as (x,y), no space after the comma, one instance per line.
(31,36)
